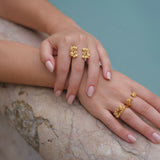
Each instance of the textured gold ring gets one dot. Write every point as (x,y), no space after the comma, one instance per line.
(133,94)
(73,51)
(128,102)
(85,53)
(117,113)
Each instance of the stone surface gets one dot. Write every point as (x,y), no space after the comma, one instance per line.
(13,146)
(56,129)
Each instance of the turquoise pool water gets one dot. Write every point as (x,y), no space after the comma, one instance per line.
(129,31)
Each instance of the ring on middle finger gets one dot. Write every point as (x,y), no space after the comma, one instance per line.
(85,53)
(129,100)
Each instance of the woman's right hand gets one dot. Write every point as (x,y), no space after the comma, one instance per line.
(110,94)
(59,44)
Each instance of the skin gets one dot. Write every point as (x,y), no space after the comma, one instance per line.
(64,33)
(28,70)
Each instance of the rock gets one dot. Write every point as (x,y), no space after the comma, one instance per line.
(56,129)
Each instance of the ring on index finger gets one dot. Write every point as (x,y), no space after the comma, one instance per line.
(73,51)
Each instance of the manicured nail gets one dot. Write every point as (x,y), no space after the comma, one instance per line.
(71,98)
(131,138)
(109,75)
(58,93)
(90,91)
(49,66)
(156,137)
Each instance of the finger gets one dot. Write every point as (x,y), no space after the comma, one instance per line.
(106,64)
(63,66)
(107,118)
(148,96)
(93,70)
(138,124)
(146,110)
(77,70)
(46,55)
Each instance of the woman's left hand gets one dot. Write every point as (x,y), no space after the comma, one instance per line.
(111,94)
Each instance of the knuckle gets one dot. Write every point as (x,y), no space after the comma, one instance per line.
(146,128)
(73,88)
(63,69)
(67,39)
(121,130)
(146,110)
(127,116)
(81,37)
(90,39)
(107,120)
(100,48)
(92,80)
(79,68)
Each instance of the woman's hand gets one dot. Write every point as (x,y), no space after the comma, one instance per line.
(110,94)
(59,44)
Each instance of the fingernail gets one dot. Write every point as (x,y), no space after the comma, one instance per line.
(90,91)
(58,93)
(131,138)
(109,75)
(49,66)
(156,137)
(71,98)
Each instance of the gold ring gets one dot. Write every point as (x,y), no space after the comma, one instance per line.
(128,102)
(133,94)
(85,53)
(117,113)
(73,51)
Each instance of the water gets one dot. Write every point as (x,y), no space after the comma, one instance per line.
(129,31)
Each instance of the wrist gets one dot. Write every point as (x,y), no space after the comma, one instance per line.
(60,25)
(52,20)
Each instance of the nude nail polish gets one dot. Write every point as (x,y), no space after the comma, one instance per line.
(109,75)
(71,99)
(131,138)
(90,91)
(49,66)
(58,93)
(156,137)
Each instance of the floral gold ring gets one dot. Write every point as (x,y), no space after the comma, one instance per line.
(73,51)
(129,100)
(133,94)
(85,53)
(117,113)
